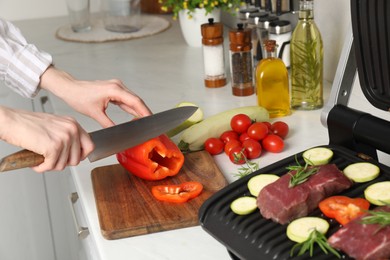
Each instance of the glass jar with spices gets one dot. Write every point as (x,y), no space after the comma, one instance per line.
(213,54)
(241,65)
(272,82)
(262,31)
(253,21)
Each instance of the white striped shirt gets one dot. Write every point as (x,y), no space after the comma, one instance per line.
(21,63)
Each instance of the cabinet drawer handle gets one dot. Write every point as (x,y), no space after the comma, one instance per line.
(82,232)
(46,105)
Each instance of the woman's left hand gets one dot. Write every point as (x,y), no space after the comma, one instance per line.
(92,98)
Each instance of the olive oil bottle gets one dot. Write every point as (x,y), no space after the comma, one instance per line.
(306,50)
(272,82)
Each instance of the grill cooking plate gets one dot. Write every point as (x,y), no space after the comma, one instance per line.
(253,237)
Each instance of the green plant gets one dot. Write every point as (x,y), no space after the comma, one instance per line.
(190,5)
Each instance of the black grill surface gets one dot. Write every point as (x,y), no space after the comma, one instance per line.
(252,237)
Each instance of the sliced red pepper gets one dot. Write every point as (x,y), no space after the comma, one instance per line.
(155,159)
(343,208)
(177,193)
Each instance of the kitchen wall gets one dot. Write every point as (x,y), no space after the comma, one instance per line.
(332,17)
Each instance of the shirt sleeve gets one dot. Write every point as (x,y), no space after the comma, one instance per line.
(21,63)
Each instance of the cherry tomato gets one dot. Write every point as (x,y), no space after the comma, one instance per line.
(253,148)
(231,144)
(273,143)
(240,123)
(228,135)
(280,128)
(268,124)
(258,131)
(214,145)
(238,155)
(243,137)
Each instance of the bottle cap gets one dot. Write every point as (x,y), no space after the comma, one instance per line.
(244,13)
(254,17)
(240,38)
(269,45)
(212,33)
(265,21)
(279,27)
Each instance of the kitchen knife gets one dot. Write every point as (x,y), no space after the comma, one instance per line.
(114,139)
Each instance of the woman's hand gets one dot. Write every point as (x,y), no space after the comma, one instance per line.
(92,98)
(59,139)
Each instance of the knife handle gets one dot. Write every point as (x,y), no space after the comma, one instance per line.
(21,159)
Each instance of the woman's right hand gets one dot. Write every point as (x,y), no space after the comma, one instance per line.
(61,140)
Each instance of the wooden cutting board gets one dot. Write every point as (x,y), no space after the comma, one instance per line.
(126,207)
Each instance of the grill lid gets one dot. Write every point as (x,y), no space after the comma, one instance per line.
(371,30)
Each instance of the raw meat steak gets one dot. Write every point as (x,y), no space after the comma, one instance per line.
(282,204)
(363,241)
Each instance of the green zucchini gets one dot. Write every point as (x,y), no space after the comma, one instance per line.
(195,118)
(317,156)
(378,193)
(258,182)
(299,230)
(361,171)
(193,138)
(244,205)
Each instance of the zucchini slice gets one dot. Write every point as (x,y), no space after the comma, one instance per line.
(244,205)
(378,193)
(299,230)
(361,171)
(317,156)
(258,182)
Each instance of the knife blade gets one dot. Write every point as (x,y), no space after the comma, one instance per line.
(109,141)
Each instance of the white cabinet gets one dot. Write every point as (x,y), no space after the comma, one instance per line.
(25,231)
(64,210)
(67,243)
(36,219)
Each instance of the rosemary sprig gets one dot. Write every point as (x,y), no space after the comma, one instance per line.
(315,237)
(382,218)
(302,173)
(247,168)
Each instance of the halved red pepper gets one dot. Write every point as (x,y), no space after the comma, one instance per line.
(177,193)
(343,208)
(155,159)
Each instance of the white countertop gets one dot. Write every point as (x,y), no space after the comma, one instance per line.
(164,71)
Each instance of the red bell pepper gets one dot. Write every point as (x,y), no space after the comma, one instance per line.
(177,193)
(343,208)
(153,160)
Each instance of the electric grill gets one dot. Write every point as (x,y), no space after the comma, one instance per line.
(353,136)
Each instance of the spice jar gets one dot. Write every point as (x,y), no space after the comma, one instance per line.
(241,64)
(213,54)
(263,33)
(243,14)
(280,31)
(253,21)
